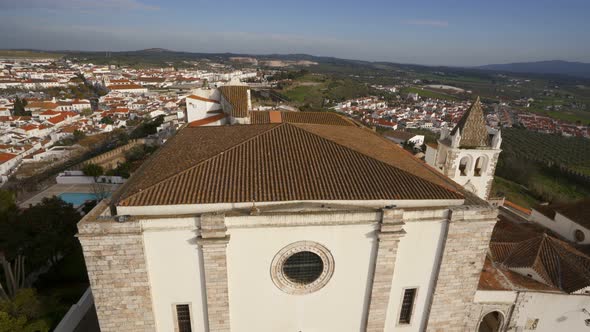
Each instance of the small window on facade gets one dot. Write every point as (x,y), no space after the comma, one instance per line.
(463,166)
(183,318)
(407,306)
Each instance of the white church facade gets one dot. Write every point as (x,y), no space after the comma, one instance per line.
(295,222)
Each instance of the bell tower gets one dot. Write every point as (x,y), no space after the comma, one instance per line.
(468,154)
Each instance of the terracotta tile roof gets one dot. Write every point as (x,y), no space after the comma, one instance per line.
(495,277)
(207,121)
(4,157)
(558,263)
(237,97)
(473,127)
(280,162)
(517,207)
(203,99)
(324,118)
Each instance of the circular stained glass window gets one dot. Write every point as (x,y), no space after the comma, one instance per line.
(302,267)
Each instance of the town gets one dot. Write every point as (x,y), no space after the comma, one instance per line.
(413,182)
(46,103)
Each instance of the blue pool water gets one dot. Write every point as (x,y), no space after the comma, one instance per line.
(77,199)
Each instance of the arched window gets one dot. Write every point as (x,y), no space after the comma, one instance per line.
(480,165)
(491,322)
(463,166)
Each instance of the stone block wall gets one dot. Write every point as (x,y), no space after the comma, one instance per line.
(389,236)
(468,237)
(213,242)
(115,261)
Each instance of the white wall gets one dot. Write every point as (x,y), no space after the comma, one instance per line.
(256,304)
(430,157)
(556,312)
(561,225)
(173,263)
(417,255)
(479,182)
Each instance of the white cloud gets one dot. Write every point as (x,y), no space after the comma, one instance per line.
(432,23)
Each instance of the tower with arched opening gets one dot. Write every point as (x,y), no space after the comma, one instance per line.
(468,154)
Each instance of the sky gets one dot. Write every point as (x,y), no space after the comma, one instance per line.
(434,32)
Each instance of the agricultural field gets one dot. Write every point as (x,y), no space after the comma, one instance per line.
(535,167)
(570,152)
(312,91)
(428,93)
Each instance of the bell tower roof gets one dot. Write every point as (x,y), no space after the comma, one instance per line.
(472,127)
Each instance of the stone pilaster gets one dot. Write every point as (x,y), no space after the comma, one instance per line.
(115,260)
(213,242)
(467,241)
(388,236)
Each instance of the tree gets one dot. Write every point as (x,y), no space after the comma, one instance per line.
(93,170)
(19,107)
(86,112)
(49,232)
(135,153)
(14,275)
(107,120)
(22,313)
(78,135)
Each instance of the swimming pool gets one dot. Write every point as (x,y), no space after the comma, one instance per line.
(77,199)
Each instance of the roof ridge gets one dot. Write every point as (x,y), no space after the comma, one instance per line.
(204,160)
(366,155)
(538,261)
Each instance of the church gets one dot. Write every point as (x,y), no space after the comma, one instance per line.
(304,222)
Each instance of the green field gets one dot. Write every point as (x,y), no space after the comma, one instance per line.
(513,192)
(546,148)
(427,93)
(311,91)
(28,54)
(548,168)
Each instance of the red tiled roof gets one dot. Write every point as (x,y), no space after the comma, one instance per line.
(203,99)
(280,162)
(237,97)
(4,157)
(324,118)
(207,121)
(49,112)
(529,246)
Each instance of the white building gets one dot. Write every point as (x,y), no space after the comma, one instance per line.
(571,221)
(286,225)
(229,103)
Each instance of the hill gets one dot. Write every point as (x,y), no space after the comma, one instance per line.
(29,54)
(578,69)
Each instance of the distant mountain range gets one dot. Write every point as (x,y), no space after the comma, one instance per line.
(560,69)
(577,69)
